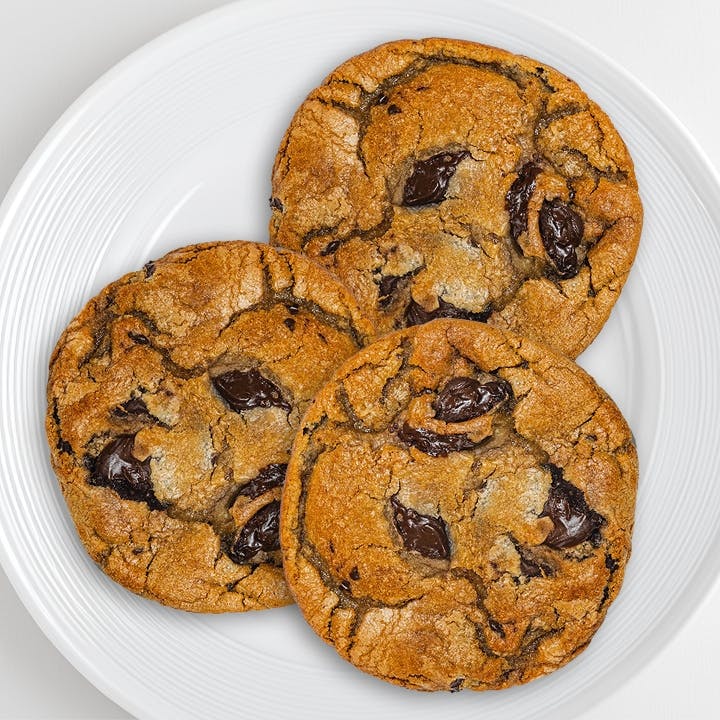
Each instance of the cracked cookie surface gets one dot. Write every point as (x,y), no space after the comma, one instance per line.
(173,399)
(443,178)
(458,508)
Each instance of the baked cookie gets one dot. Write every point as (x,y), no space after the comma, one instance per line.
(458,508)
(173,399)
(442,178)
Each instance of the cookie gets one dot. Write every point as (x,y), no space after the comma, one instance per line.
(443,178)
(458,508)
(173,399)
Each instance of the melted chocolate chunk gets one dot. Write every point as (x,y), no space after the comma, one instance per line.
(429,180)
(417,314)
(118,469)
(269,477)
(243,390)
(496,627)
(424,534)
(432,443)
(133,406)
(561,229)
(260,534)
(573,520)
(464,398)
(345,586)
(393,110)
(289,324)
(64,446)
(293,308)
(518,197)
(276,204)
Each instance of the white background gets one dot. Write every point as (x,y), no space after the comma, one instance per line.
(51,50)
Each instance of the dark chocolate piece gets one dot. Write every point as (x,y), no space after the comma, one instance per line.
(432,443)
(424,534)
(429,180)
(243,390)
(518,197)
(464,398)
(269,477)
(417,315)
(561,229)
(260,534)
(566,506)
(118,469)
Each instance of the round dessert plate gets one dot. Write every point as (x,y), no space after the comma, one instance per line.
(175,146)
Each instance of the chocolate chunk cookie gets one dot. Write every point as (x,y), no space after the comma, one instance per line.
(458,508)
(173,400)
(442,178)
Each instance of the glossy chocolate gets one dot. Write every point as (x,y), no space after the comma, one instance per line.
(260,534)
(416,314)
(429,180)
(561,229)
(269,477)
(243,390)
(518,197)
(424,534)
(432,443)
(118,469)
(464,398)
(566,506)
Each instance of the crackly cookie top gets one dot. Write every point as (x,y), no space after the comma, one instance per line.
(443,178)
(173,399)
(458,509)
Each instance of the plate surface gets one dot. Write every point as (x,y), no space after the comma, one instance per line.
(175,146)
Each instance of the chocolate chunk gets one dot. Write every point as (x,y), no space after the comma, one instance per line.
(561,229)
(149,268)
(382,99)
(518,197)
(276,204)
(64,446)
(355,574)
(417,315)
(243,390)
(289,324)
(269,477)
(456,684)
(393,110)
(138,338)
(330,248)
(118,469)
(496,627)
(464,398)
(293,308)
(133,406)
(533,566)
(386,288)
(432,443)
(424,534)
(429,180)
(345,586)
(573,520)
(260,534)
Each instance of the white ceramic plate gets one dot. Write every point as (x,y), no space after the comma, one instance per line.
(175,146)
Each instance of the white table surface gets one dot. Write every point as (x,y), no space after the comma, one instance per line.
(51,50)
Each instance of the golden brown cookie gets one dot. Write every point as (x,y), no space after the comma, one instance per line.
(443,178)
(173,399)
(458,508)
